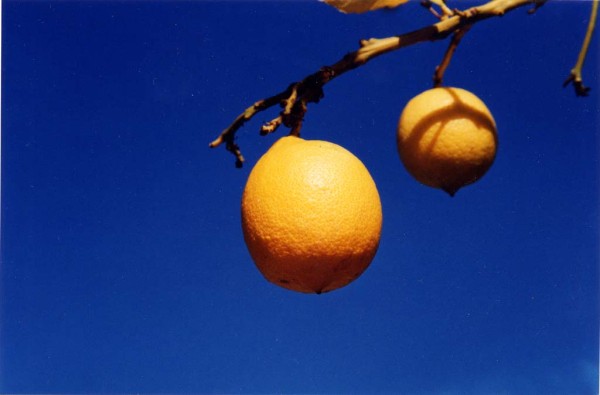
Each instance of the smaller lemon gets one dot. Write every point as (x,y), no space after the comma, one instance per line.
(447,138)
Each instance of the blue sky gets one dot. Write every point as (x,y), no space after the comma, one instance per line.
(123,262)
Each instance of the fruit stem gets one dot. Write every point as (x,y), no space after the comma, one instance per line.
(438,75)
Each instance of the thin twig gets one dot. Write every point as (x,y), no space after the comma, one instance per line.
(575,75)
(441,69)
(261,105)
(429,5)
(446,11)
(537,4)
(310,89)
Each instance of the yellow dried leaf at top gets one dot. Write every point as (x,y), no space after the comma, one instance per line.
(360,6)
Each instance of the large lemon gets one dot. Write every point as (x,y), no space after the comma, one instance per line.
(447,138)
(311,215)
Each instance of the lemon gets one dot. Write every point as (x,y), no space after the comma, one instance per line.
(447,138)
(311,215)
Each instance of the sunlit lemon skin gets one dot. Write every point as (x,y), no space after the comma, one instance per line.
(311,215)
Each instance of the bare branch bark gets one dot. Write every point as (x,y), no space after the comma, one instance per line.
(575,76)
(296,97)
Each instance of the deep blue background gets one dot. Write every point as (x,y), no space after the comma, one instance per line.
(123,263)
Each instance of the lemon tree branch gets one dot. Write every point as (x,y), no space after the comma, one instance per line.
(295,98)
(575,76)
(227,136)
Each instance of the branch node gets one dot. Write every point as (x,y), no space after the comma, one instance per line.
(580,89)
(471,12)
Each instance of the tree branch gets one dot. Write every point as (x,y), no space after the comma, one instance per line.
(296,97)
(575,75)
(228,135)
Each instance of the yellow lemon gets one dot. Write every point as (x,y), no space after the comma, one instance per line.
(447,138)
(311,215)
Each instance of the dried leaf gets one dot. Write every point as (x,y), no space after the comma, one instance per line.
(360,6)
